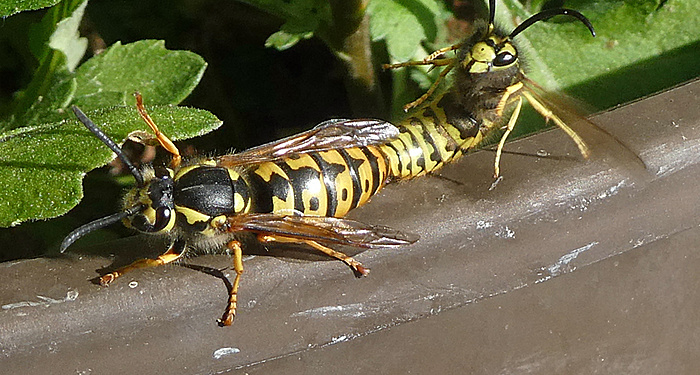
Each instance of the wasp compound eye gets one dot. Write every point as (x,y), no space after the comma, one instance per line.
(504,59)
(160,218)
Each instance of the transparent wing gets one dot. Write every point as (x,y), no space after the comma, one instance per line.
(328,135)
(322,229)
(593,141)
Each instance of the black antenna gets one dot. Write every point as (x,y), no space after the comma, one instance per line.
(97,224)
(546,14)
(110,143)
(492,11)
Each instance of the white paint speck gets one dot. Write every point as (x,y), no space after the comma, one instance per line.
(483,224)
(354,310)
(221,352)
(71,295)
(505,232)
(556,268)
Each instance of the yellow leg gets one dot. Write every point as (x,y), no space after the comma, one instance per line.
(510,90)
(426,61)
(549,115)
(230,312)
(175,252)
(356,266)
(509,128)
(441,51)
(430,91)
(162,138)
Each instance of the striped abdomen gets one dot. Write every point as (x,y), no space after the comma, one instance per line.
(331,183)
(436,134)
(327,183)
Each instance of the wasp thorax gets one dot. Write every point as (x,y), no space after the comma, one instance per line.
(156,199)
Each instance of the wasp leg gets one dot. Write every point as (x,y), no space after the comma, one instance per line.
(162,138)
(356,266)
(175,252)
(430,91)
(431,59)
(434,62)
(510,90)
(230,312)
(441,51)
(549,115)
(509,128)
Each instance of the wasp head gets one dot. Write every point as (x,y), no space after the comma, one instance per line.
(492,50)
(156,209)
(148,207)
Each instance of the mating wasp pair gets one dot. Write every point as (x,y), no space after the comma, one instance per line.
(298,189)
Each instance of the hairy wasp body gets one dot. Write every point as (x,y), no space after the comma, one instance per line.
(299,189)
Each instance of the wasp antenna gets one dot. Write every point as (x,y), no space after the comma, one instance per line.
(110,143)
(546,14)
(492,11)
(97,224)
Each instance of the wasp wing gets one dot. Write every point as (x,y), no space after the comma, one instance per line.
(328,135)
(593,141)
(322,229)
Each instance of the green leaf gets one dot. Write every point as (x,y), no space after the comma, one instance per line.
(160,75)
(10,7)
(284,39)
(58,48)
(67,39)
(41,167)
(405,25)
(632,36)
(302,19)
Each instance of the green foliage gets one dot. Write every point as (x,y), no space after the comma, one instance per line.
(406,25)
(41,167)
(10,7)
(302,18)
(45,151)
(561,53)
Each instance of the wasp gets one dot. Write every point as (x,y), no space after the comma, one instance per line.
(299,189)
(488,89)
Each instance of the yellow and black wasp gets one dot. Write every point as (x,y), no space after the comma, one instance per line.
(298,189)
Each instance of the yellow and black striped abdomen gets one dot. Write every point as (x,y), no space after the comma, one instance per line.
(327,183)
(331,183)
(436,134)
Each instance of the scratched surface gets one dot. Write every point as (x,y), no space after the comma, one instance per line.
(561,266)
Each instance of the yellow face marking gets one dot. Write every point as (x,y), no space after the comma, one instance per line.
(482,52)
